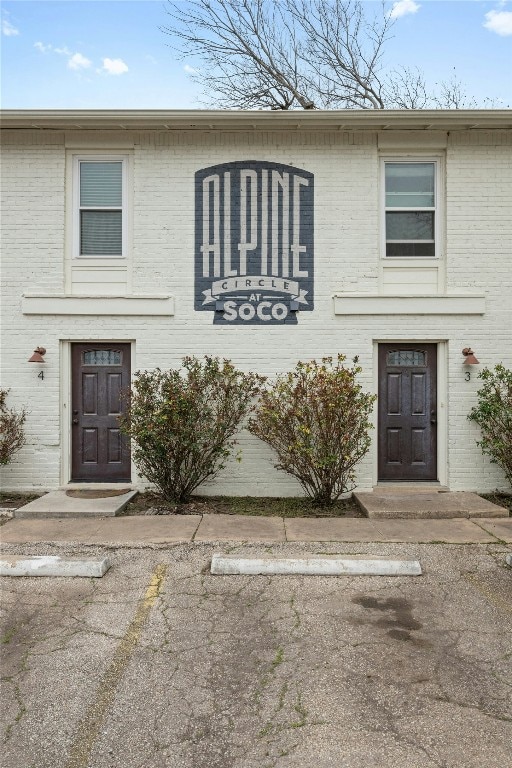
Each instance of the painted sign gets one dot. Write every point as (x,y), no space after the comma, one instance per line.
(254,243)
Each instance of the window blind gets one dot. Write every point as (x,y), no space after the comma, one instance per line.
(101,233)
(101,201)
(101,184)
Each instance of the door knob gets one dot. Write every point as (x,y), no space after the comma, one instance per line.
(433,417)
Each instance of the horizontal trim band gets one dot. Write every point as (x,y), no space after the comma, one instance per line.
(98,305)
(366,304)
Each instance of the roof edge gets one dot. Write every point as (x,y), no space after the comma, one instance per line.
(348,119)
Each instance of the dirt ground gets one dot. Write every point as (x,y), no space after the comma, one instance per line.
(151,503)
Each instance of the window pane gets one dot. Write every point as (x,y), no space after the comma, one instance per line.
(101,233)
(411,250)
(101,184)
(102,357)
(410,225)
(410,185)
(408,357)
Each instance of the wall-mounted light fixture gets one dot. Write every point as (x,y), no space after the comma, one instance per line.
(37,357)
(469,356)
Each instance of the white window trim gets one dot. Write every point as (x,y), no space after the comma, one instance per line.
(75,252)
(439,209)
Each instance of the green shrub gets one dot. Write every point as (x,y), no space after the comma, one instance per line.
(316,420)
(493,414)
(183,422)
(12,435)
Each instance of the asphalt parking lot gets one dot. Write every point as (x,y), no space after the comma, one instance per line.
(159,664)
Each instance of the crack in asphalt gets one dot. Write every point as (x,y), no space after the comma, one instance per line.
(261,672)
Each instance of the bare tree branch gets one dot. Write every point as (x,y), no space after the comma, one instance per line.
(345,50)
(252,55)
(300,54)
(406,89)
(452,95)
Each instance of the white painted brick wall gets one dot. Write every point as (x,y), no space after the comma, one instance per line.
(346,168)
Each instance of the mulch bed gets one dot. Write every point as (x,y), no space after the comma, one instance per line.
(501,499)
(15,500)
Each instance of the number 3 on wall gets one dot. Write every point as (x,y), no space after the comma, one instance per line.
(467,376)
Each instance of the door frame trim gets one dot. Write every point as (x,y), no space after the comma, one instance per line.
(442,403)
(66,371)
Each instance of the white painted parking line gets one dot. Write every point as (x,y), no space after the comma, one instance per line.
(43,565)
(322,565)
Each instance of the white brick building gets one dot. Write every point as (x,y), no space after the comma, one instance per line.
(383,234)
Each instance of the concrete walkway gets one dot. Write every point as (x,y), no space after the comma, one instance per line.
(178,529)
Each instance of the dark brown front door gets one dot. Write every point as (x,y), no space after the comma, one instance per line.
(407,412)
(99,373)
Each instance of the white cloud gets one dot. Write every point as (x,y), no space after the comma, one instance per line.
(77,61)
(403,8)
(64,51)
(114,66)
(8,29)
(499,22)
(190,70)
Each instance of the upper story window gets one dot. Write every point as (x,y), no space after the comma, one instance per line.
(411,208)
(100,214)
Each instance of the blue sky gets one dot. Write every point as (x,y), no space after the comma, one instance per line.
(101,54)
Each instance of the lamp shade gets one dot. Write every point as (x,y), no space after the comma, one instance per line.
(469,355)
(37,357)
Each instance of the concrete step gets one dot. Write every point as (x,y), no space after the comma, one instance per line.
(60,504)
(426,505)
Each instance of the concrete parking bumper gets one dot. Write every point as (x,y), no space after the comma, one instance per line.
(326,565)
(53,565)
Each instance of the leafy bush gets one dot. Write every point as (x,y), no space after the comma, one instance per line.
(493,414)
(183,423)
(316,419)
(12,435)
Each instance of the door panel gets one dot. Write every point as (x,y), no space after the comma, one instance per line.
(394,394)
(418,447)
(114,446)
(89,394)
(100,372)
(90,446)
(407,412)
(418,394)
(114,381)
(394,446)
